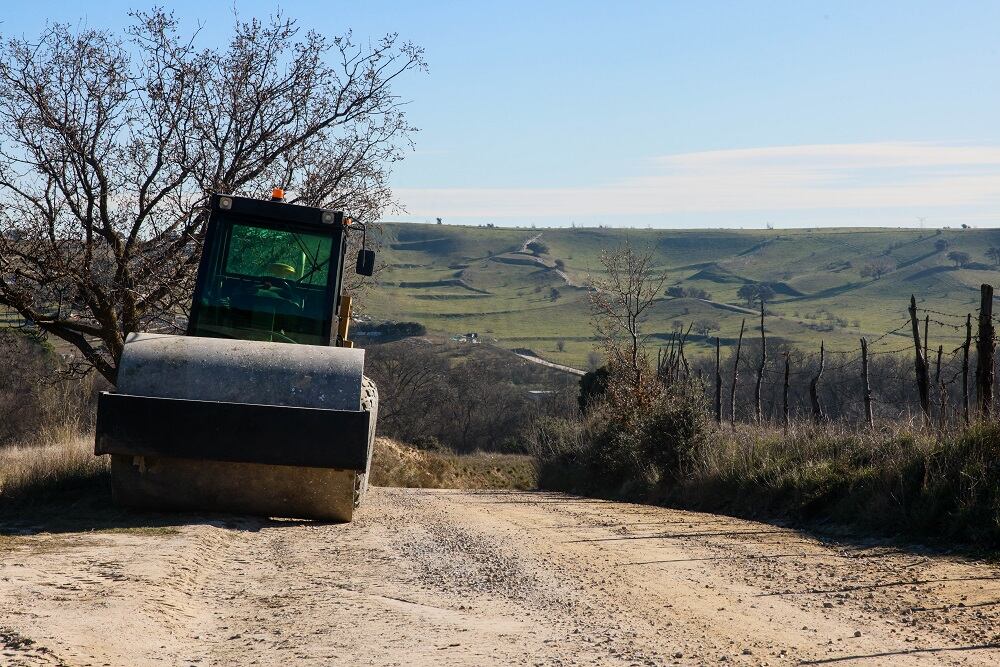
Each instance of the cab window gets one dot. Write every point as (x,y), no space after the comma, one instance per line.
(267,284)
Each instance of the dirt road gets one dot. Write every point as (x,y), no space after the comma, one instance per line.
(474,578)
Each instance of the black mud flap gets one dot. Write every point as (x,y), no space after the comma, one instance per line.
(234,432)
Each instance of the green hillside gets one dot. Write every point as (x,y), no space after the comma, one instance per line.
(456,279)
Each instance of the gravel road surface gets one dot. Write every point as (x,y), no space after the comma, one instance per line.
(485,578)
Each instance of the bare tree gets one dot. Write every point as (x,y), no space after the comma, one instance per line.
(406,374)
(878,267)
(110,147)
(620,302)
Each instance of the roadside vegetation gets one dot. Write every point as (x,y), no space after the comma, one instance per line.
(45,411)
(902,481)
(63,470)
(647,433)
(41,397)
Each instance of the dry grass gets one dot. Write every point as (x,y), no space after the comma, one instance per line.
(395,464)
(64,465)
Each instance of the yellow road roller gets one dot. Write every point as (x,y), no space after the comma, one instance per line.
(262,407)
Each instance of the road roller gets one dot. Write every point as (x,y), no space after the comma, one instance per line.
(262,407)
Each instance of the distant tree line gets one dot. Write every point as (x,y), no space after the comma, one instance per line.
(878,267)
(680,291)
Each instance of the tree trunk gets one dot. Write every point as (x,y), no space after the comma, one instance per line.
(985,347)
(736,377)
(817,409)
(920,363)
(927,356)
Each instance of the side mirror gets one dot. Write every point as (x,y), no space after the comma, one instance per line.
(366,262)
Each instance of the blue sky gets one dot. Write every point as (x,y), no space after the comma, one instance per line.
(675,114)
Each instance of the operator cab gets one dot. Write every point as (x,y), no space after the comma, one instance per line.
(272,271)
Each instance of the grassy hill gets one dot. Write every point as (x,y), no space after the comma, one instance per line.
(455,279)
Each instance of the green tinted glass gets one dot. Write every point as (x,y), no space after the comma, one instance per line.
(293,256)
(267,284)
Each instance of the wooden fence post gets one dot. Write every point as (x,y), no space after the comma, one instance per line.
(758,412)
(784,402)
(920,362)
(817,409)
(927,356)
(866,385)
(965,367)
(985,347)
(736,377)
(718,382)
(680,352)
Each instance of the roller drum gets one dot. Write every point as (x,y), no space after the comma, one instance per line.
(241,371)
(248,373)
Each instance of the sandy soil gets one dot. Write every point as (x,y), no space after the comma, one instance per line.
(473,578)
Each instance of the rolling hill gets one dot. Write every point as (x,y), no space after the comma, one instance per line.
(527,288)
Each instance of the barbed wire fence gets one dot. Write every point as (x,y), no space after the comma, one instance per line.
(938,385)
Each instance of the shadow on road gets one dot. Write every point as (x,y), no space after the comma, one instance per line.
(93,509)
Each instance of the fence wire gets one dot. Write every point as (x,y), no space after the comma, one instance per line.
(942,375)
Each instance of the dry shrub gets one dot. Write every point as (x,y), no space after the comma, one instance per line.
(395,464)
(622,448)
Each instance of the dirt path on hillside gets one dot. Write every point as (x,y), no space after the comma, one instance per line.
(529,241)
(550,364)
(473,578)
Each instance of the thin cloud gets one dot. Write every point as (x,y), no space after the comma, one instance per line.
(823,177)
